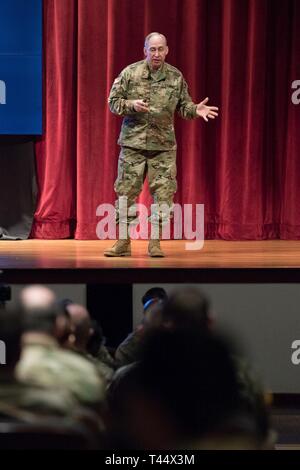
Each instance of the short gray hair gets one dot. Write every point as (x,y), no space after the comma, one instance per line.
(147,38)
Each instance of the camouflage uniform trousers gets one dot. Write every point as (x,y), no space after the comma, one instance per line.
(160,168)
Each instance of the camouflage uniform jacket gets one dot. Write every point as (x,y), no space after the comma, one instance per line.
(23,401)
(45,364)
(165,91)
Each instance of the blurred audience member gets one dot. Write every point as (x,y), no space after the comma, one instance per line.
(43,362)
(127,351)
(20,401)
(96,345)
(187,308)
(187,311)
(183,393)
(81,332)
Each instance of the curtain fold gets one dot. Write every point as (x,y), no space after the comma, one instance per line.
(242,54)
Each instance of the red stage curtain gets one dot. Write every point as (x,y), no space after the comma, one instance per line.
(243,54)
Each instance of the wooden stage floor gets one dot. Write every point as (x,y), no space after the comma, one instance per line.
(83,261)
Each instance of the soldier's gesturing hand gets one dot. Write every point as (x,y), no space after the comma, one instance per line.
(206,112)
(140,106)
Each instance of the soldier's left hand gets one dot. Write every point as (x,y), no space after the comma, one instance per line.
(206,111)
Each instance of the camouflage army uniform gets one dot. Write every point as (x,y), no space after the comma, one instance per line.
(148,139)
(21,401)
(43,362)
(103,369)
(104,356)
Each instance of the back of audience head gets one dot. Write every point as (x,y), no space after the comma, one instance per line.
(80,325)
(187,308)
(153,301)
(43,313)
(40,309)
(154,293)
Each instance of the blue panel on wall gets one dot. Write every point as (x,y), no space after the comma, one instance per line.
(20,66)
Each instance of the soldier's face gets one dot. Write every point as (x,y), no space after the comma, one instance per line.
(156,52)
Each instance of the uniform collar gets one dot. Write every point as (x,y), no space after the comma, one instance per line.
(39,339)
(161,74)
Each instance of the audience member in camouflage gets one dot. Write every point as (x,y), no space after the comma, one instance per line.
(82,328)
(20,401)
(147,94)
(44,363)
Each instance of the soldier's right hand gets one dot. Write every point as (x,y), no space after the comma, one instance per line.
(140,106)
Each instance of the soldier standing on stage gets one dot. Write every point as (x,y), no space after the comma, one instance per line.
(147,94)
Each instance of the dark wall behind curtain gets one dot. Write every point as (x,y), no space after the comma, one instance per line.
(243,54)
(17,186)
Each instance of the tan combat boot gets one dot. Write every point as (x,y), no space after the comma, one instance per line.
(154,249)
(120,248)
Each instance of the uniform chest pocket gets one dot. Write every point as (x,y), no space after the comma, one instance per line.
(165,90)
(137,90)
